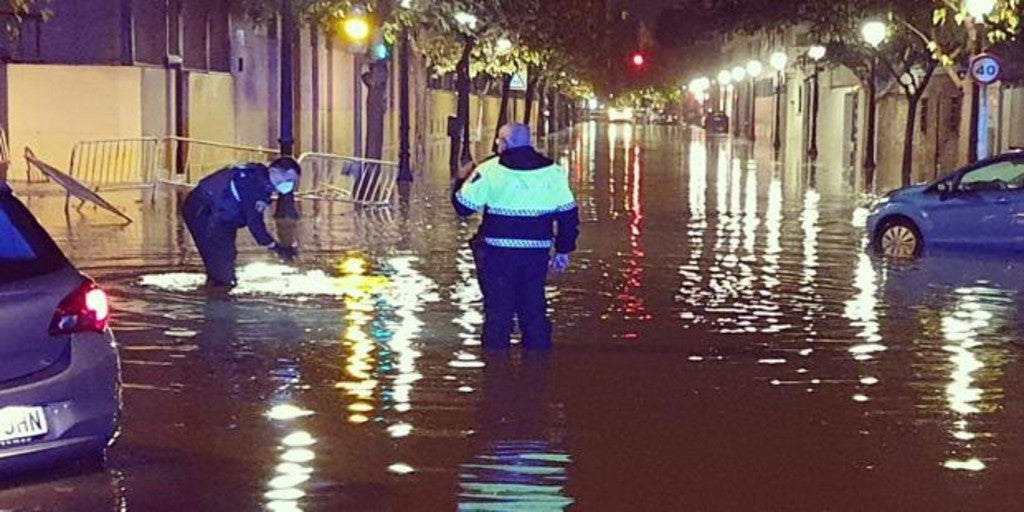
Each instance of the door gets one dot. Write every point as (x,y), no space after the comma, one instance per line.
(983,208)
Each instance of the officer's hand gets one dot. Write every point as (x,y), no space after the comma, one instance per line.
(466,169)
(559,263)
(285,252)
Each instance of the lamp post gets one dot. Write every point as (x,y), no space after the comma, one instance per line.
(738,74)
(404,165)
(754,69)
(357,31)
(816,53)
(874,32)
(724,77)
(978,142)
(778,61)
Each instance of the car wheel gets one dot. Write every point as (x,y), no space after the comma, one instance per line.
(899,239)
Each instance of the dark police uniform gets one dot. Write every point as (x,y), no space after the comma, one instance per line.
(522,194)
(221,204)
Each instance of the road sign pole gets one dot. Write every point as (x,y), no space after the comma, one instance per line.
(985,70)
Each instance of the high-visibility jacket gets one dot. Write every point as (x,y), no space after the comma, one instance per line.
(522,194)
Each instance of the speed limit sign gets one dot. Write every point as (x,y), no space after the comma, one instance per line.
(985,69)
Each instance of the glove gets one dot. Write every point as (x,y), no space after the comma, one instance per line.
(286,253)
(559,263)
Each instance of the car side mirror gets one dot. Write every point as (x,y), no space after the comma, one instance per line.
(945,189)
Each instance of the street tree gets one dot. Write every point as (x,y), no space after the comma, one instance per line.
(954,36)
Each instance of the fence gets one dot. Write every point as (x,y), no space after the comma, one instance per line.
(143,162)
(116,163)
(199,158)
(341,178)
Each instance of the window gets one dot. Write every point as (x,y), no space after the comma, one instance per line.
(1004,175)
(13,246)
(25,248)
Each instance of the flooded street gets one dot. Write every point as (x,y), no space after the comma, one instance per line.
(723,341)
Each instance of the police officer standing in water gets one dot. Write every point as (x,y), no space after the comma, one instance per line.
(523,195)
(232,198)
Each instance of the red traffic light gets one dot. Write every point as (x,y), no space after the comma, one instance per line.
(638,59)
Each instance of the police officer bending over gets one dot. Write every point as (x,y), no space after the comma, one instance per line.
(232,198)
(522,194)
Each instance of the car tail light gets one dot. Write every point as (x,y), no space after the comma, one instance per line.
(85,310)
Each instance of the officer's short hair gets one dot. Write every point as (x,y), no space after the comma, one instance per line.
(286,163)
(515,135)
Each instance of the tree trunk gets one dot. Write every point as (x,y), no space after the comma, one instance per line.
(376,81)
(908,139)
(531,91)
(482,109)
(553,118)
(506,84)
(460,131)
(542,126)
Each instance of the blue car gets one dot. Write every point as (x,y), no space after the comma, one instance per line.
(978,206)
(60,395)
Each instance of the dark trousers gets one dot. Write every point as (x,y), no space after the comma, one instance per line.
(215,240)
(512,282)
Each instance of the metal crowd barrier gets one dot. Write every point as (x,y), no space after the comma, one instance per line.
(361,181)
(116,163)
(200,158)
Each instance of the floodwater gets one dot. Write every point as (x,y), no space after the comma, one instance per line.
(723,342)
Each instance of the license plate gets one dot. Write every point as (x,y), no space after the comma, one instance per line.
(22,422)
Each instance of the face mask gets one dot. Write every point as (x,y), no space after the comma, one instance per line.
(285,187)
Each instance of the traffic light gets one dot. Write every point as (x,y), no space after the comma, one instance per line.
(379,50)
(638,59)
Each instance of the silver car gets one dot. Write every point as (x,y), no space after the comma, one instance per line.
(60,379)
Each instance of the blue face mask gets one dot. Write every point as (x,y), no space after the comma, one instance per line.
(285,187)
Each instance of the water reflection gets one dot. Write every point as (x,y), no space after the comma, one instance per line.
(968,318)
(521,462)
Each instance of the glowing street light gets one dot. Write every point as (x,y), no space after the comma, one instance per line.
(739,73)
(979,9)
(754,68)
(874,32)
(724,77)
(356,28)
(466,19)
(778,61)
(816,52)
(503,45)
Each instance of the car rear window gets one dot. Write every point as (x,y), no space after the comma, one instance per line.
(26,250)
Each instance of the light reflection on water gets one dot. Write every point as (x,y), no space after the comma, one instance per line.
(700,275)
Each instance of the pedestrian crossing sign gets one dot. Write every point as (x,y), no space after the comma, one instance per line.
(518,81)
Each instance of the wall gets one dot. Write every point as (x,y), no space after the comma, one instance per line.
(211,107)
(105,102)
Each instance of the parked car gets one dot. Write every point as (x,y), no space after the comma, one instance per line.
(981,205)
(716,122)
(59,369)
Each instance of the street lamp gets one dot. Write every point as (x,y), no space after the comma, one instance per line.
(874,33)
(816,53)
(754,70)
(738,74)
(724,77)
(778,61)
(979,9)
(503,45)
(404,114)
(978,141)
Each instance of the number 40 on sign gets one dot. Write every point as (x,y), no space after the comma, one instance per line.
(985,69)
